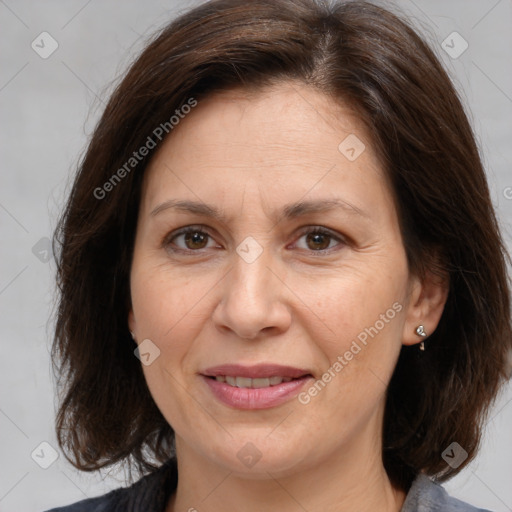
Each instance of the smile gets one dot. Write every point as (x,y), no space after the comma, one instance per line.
(246,382)
(253,397)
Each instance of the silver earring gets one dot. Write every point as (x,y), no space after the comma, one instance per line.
(420,331)
(133,335)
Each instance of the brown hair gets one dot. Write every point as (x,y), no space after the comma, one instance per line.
(369,58)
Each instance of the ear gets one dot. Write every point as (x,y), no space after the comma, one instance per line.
(427,298)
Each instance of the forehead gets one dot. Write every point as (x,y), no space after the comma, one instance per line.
(280,141)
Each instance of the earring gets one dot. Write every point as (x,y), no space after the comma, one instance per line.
(133,335)
(420,331)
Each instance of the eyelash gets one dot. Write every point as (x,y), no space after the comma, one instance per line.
(167,241)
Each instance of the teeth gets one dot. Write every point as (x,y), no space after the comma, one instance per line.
(243,382)
(275,380)
(246,382)
(260,383)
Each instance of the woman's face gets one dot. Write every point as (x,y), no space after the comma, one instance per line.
(254,286)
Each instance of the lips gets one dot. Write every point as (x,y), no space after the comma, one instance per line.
(255,387)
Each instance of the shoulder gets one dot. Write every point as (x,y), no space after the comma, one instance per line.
(104,503)
(151,492)
(425,495)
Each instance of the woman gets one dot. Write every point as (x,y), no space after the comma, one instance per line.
(281,274)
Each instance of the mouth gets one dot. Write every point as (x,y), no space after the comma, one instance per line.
(255,387)
(259,371)
(246,382)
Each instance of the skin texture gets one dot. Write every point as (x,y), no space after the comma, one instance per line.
(249,154)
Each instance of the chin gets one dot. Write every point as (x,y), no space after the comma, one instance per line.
(256,456)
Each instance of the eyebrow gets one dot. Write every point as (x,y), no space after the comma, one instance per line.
(290,211)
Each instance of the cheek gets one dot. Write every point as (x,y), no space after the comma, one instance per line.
(161,300)
(166,311)
(350,304)
(365,315)
(171,310)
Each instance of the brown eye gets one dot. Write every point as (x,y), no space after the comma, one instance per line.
(188,239)
(196,240)
(318,241)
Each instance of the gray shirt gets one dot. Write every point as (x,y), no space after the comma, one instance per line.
(428,496)
(151,493)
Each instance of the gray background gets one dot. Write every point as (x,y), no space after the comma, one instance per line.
(48,109)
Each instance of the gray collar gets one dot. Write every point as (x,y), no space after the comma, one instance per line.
(425,495)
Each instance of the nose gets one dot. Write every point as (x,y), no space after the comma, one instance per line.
(253,302)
